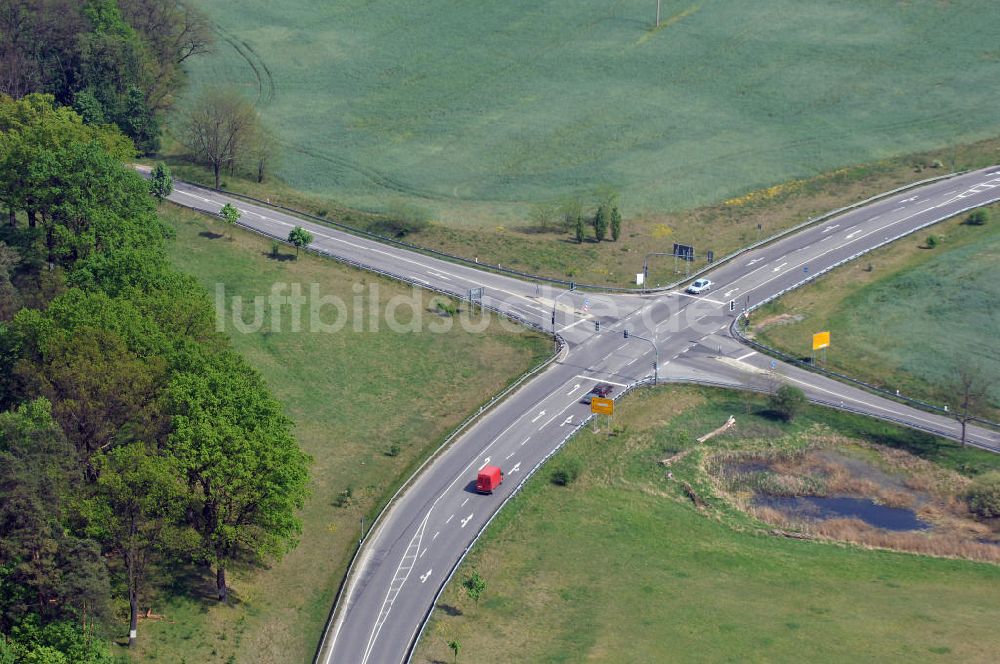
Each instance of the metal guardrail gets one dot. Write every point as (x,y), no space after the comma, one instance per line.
(499,269)
(411,648)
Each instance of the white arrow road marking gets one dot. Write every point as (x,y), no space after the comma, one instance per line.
(466,520)
(907,200)
(729,292)
(830,228)
(567,421)
(575,388)
(538,417)
(486,462)
(779,267)
(517,467)
(425,576)
(851,235)
(754,261)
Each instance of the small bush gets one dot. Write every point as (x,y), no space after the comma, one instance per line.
(403,219)
(977,218)
(932,241)
(393,451)
(983,497)
(566,472)
(275,249)
(788,402)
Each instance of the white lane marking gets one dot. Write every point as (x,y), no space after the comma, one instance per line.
(911,198)
(423,552)
(780,266)
(866,403)
(464,501)
(399,579)
(517,467)
(571,325)
(525,440)
(448,520)
(601,380)
(756,260)
(901,207)
(830,228)
(575,388)
(634,360)
(439,276)
(852,234)
(485,463)
(466,520)
(695,297)
(568,420)
(538,417)
(622,346)
(507,459)
(435,535)
(743,357)
(729,292)
(426,575)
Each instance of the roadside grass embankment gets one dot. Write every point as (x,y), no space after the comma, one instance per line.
(368,406)
(622,565)
(905,316)
(550,250)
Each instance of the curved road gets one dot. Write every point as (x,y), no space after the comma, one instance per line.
(417,543)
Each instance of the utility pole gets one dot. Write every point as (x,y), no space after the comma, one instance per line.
(572,287)
(657,13)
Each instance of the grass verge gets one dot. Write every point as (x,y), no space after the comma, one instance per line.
(904,316)
(623,566)
(368,405)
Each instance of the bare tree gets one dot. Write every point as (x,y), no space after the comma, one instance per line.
(260,154)
(970,389)
(217,127)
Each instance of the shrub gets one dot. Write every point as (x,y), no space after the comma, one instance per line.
(983,497)
(403,219)
(977,218)
(566,472)
(788,402)
(932,241)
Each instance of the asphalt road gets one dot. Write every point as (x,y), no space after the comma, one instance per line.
(416,544)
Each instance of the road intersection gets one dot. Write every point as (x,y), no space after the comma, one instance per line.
(425,532)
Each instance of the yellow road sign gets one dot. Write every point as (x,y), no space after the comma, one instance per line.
(602,406)
(821,340)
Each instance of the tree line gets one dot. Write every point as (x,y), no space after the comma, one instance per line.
(570,216)
(135,445)
(113,61)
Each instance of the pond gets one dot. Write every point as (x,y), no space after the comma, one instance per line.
(841,507)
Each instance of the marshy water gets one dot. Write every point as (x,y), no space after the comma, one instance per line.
(821,508)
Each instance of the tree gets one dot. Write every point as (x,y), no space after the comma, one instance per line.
(475,586)
(136,499)
(261,153)
(978,217)
(788,401)
(216,128)
(616,223)
(9,300)
(246,473)
(601,223)
(160,182)
(230,214)
(969,391)
(579,229)
(300,237)
(456,647)
(983,497)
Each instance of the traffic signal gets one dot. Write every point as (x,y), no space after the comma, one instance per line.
(597,326)
(626,334)
(732,305)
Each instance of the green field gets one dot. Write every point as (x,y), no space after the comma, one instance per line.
(473,109)
(622,567)
(909,320)
(353,396)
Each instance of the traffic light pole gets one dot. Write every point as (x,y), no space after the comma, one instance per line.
(656,351)
(555,300)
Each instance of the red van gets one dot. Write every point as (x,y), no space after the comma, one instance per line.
(489,479)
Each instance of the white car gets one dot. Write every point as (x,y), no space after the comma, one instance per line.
(699,286)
